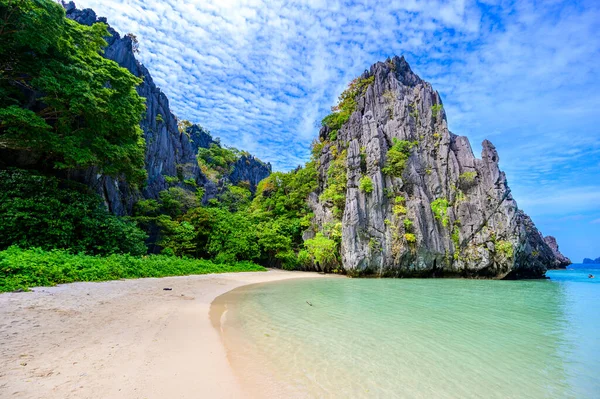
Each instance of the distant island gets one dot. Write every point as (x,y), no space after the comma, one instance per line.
(588,261)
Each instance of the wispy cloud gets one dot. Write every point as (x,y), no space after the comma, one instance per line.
(262,73)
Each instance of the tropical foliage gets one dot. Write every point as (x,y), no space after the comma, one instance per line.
(21,269)
(88,113)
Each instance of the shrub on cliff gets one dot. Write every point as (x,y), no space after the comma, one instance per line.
(397,156)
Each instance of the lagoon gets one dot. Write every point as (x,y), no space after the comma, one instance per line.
(443,338)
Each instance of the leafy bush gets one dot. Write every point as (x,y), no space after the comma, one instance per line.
(397,157)
(22,269)
(505,248)
(410,238)
(322,251)
(468,177)
(366,184)
(176,201)
(408,224)
(440,210)
(435,110)
(232,237)
(399,206)
(171,179)
(46,212)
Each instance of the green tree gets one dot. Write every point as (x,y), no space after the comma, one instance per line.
(233,237)
(60,100)
(46,212)
(323,251)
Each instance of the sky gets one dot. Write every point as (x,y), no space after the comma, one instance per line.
(261,74)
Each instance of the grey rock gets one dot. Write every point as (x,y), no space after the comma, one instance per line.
(562,261)
(249,169)
(485,234)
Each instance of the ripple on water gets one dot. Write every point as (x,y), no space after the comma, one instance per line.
(415,338)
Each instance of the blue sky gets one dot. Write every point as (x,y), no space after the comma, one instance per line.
(524,74)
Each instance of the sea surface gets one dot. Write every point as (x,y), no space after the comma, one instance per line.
(417,338)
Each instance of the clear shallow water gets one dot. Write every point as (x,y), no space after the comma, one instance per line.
(443,338)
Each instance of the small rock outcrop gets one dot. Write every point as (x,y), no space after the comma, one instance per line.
(249,169)
(446,213)
(561,260)
(588,261)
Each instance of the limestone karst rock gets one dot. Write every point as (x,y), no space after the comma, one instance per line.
(169,152)
(446,213)
(561,260)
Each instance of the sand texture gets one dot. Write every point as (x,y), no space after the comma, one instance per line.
(120,339)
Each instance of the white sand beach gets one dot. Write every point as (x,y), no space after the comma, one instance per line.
(120,339)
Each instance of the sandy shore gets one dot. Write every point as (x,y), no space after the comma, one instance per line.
(120,339)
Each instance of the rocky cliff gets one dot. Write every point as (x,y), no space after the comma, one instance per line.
(169,152)
(561,260)
(416,201)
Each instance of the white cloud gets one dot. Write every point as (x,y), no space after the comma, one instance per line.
(261,74)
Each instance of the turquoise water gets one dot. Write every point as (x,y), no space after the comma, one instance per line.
(417,338)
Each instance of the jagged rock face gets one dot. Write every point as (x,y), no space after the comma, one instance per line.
(561,260)
(169,152)
(249,169)
(484,233)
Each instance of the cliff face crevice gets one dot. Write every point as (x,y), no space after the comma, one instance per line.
(169,152)
(445,213)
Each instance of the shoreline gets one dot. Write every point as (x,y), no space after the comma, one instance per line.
(121,339)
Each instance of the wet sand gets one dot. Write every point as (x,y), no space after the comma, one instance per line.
(120,339)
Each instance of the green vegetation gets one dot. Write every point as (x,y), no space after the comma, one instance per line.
(190,182)
(171,179)
(410,238)
(366,184)
(65,108)
(21,269)
(89,111)
(397,157)
(346,105)
(217,161)
(440,210)
(47,212)
(322,251)
(399,206)
(408,224)
(435,110)
(468,177)
(505,248)
(337,181)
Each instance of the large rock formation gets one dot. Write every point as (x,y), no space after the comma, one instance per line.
(561,260)
(474,228)
(169,152)
(588,261)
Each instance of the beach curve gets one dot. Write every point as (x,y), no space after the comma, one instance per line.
(125,338)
